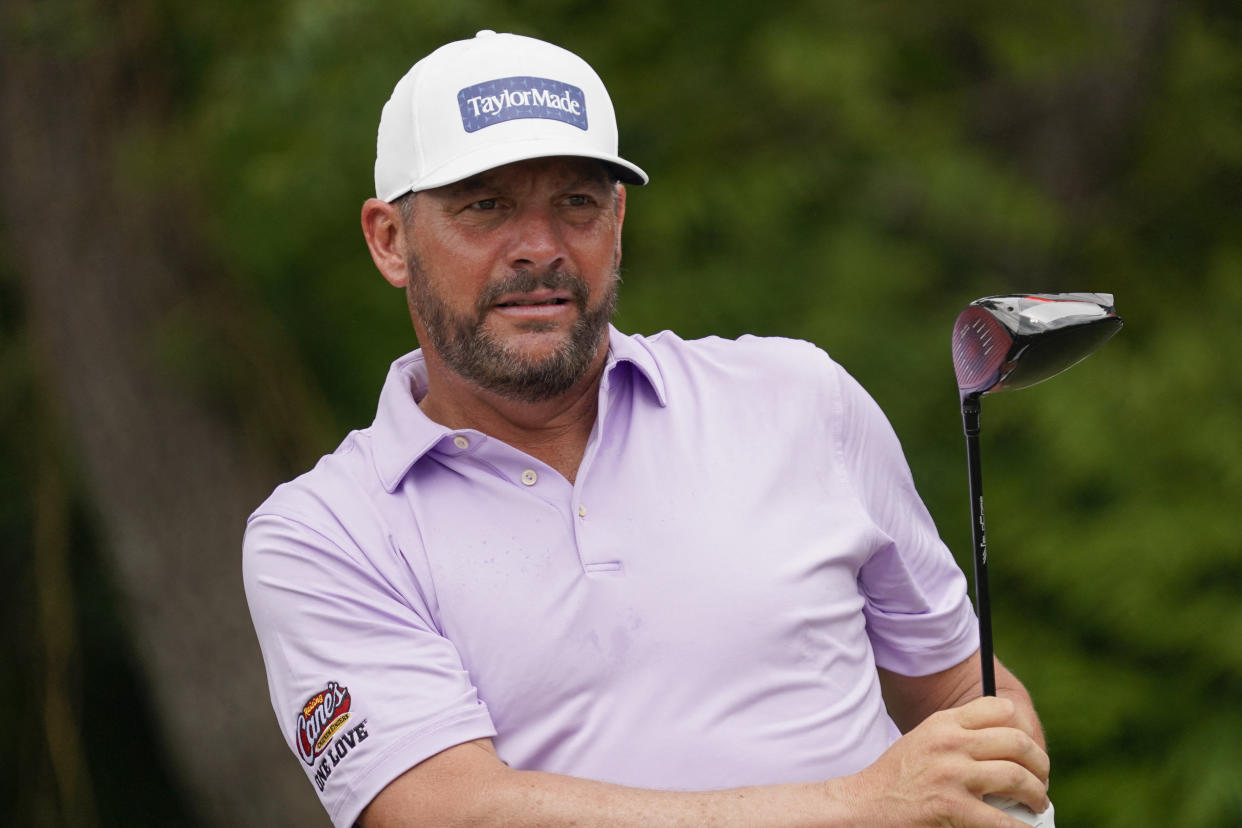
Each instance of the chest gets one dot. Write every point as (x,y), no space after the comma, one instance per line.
(659,556)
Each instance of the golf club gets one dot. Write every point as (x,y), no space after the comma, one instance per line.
(1003,343)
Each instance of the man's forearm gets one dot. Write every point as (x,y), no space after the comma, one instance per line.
(1007,687)
(515,799)
(543,800)
(934,775)
(911,699)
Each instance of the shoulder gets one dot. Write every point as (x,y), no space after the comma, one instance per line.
(339,483)
(765,360)
(335,511)
(752,384)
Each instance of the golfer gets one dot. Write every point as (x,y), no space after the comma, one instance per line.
(571,576)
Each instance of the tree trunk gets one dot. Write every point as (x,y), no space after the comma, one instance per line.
(110,274)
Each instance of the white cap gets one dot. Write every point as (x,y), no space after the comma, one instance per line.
(477,104)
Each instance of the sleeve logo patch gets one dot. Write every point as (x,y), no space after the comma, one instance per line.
(507,99)
(321,717)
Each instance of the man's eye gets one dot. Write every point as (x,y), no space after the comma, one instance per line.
(485,204)
(578,200)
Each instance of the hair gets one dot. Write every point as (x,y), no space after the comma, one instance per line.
(405,206)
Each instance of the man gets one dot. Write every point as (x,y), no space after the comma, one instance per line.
(573,577)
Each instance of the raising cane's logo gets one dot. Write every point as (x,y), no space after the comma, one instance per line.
(319,720)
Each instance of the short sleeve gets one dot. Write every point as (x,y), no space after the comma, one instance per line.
(363,684)
(918,613)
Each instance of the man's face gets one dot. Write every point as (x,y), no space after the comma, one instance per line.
(513,274)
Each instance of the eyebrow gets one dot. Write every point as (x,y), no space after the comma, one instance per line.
(473,184)
(484,181)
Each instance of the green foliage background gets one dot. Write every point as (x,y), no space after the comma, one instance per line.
(853,174)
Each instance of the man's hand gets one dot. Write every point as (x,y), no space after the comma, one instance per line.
(937,774)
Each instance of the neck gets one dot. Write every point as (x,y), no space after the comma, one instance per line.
(555,430)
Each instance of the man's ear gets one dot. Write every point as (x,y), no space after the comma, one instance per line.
(386,237)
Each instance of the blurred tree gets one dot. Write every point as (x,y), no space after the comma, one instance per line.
(173,388)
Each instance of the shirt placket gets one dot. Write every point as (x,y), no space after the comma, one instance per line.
(598,558)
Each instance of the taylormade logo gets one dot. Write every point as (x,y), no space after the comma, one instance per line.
(507,99)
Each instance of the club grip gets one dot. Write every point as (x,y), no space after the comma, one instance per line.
(1019,811)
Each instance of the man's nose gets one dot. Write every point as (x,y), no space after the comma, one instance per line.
(538,243)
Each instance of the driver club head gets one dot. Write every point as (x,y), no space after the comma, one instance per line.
(1002,343)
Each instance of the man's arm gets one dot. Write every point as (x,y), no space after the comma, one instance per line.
(938,771)
(468,785)
(911,699)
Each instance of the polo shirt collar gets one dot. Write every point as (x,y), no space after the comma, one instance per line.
(622,348)
(402,433)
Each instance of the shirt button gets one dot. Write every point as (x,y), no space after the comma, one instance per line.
(581,510)
(529,477)
(461,442)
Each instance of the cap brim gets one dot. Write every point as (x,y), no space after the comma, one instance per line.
(492,157)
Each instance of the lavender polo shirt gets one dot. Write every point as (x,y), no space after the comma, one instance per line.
(703,608)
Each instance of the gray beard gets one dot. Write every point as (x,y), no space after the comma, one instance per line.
(472,353)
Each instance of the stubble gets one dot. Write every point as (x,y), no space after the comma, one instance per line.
(471,351)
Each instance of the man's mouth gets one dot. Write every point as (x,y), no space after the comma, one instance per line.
(539,299)
(519,303)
